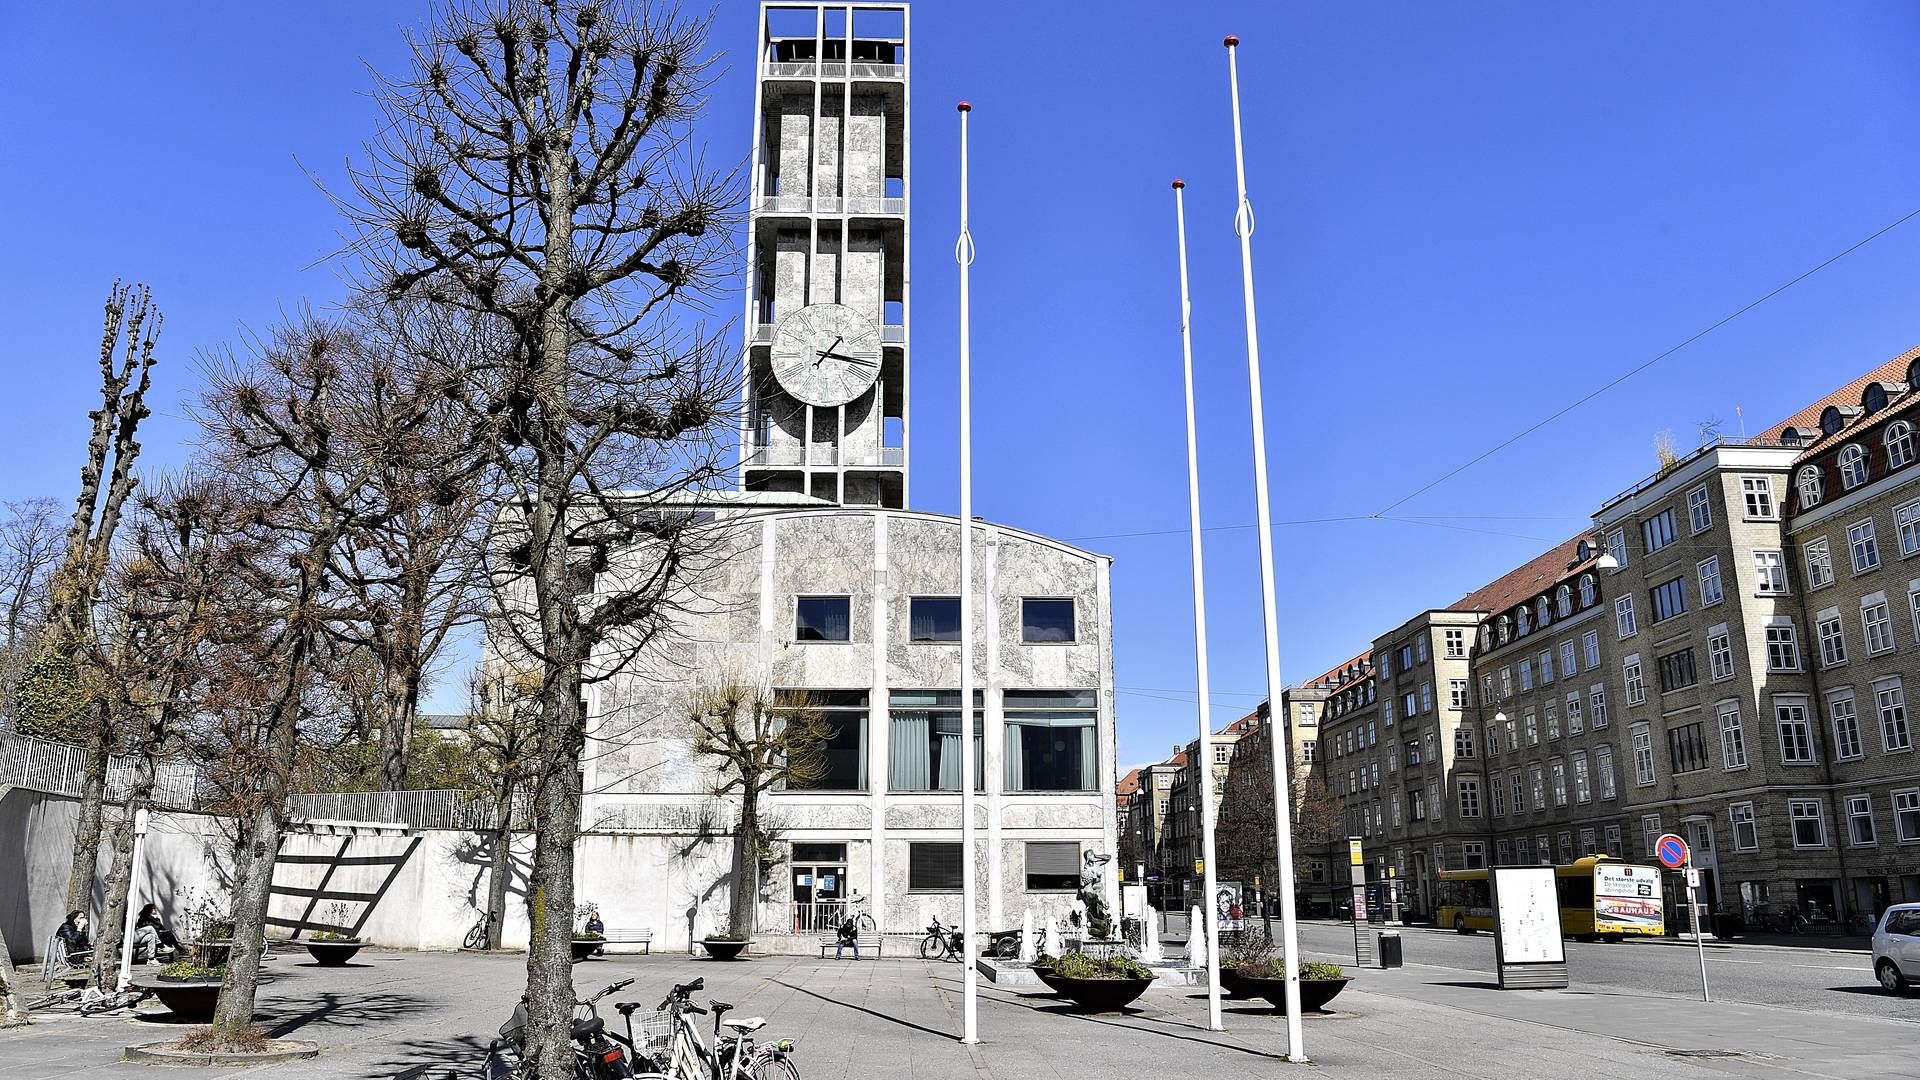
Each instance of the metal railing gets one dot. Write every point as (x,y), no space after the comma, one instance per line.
(60,769)
(832,69)
(858,205)
(425,809)
(818,916)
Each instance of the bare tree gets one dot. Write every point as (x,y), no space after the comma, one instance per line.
(132,327)
(13,1003)
(758,742)
(502,737)
(538,170)
(1244,832)
(30,546)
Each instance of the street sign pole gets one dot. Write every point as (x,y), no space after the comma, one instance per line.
(1699,937)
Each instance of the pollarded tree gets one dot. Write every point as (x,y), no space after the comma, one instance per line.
(538,170)
(756,742)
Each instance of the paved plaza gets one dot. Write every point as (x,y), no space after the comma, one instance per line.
(396,1014)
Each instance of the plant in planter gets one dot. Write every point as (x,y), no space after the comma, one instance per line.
(1107,984)
(188,990)
(587,942)
(725,946)
(330,949)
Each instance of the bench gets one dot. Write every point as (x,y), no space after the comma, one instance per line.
(869,946)
(642,938)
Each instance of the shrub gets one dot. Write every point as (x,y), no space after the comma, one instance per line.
(1082,966)
(217,930)
(187,969)
(718,937)
(329,935)
(1321,971)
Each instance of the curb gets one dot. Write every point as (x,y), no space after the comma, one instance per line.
(158,1054)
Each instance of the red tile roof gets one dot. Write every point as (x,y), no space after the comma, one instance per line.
(1128,784)
(1530,579)
(1332,679)
(1808,419)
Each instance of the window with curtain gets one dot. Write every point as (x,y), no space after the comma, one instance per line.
(1046,622)
(933,618)
(923,745)
(822,618)
(1051,740)
(845,750)
(1053,866)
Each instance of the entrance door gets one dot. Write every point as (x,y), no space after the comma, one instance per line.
(1700,839)
(819,887)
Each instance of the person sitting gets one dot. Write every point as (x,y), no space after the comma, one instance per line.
(74,940)
(849,935)
(595,926)
(151,937)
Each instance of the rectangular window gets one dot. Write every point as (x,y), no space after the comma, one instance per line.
(1552,711)
(1046,622)
(1623,616)
(1576,716)
(1617,547)
(1758,492)
(933,866)
(1657,531)
(1053,865)
(1582,784)
(1890,697)
(1519,797)
(1616,847)
(1426,697)
(1860,821)
(1833,638)
(1566,848)
(1457,693)
(1677,671)
(1406,658)
(1532,725)
(1636,687)
(1546,667)
(1386,711)
(1783,647)
(1769,573)
(1876,624)
(1538,779)
(1463,742)
(1733,737)
(1710,591)
(1796,735)
(1865,548)
(924,744)
(1586,842)
(1526,675)
(1687,747)
(842,762)
(1597,705)
(1669,599)
(1050,740)
(1486,688)
(1699,509)
(822,618)
(1913,606)
(1719,653)
(1456,644)
(1746,832)
(1469,798)
(1906,815)
(1809,823)
(1473,855)
(1642,755)
(1649,831)
(1590,643)
(1906,522)
(1846,724)
(1420,648)
(1559,783)
(1819,564)
(1433,800)
(933,618)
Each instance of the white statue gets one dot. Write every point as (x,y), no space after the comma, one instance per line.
(1026,937)
(1150,938)
(1196,938)
(1051,934)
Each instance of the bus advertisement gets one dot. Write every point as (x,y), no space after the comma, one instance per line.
(1626,900)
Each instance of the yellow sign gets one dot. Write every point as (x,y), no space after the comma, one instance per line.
(1355,855)
(1122,873)
(1390,872)
(1199,866)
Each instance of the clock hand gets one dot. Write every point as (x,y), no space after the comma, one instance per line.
(828,351)
(848,359)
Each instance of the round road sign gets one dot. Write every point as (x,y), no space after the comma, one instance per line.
(1672,851)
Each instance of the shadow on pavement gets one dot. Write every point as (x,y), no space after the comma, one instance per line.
(860,1009)
(1159,1025)
(1870,990)
(461,1054)
(334,1010)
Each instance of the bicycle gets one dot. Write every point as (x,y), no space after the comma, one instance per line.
(671,1043)
(857,911)
(942,943)
(477,937)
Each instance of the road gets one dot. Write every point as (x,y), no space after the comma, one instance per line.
(1798,978)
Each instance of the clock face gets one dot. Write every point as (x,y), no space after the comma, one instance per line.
(826,354)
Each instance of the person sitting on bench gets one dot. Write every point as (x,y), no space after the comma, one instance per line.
(151,936)
(74,939)
(849,935)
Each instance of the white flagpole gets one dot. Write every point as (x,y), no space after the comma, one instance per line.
(1276,722)
(963,254)
(1205,764)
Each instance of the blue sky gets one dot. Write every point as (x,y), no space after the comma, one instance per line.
(1469,216)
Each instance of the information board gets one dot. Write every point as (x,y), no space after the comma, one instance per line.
(1627,900)
(1527,915)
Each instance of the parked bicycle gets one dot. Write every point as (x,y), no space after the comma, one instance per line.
(942,942)
(597,1054)
(862,919)
(671,1043)
(478,937)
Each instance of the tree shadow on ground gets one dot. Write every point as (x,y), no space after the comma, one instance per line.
(460,1054)
(337,1010)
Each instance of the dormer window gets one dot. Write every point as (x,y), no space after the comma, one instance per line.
(1899,439)
(1563,600)
(1543,612)
(1812,488)
(1792,436)
(1853,466)
(1913,373)
(1525,620)
(1874,399)
(1506,629)
(1586,590)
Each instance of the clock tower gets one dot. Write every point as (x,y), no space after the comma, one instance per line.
(825,409)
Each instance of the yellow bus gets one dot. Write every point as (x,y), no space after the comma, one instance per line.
(1599,897)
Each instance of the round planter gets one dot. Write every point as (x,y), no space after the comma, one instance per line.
(1314,993)
(192,1000)
(721,949)
(1044,972)
(1233,986)
(1099,995)
(333,953)
(584,947)
(210,953)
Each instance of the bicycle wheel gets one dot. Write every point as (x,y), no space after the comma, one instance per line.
(774,1068)
(865,922)
(932,947)
(476,937)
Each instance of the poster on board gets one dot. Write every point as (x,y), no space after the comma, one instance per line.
(1527,915)
(1626,900)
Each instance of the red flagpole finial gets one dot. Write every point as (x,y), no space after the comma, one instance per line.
(966,106)
(1178,183)
(1232,40)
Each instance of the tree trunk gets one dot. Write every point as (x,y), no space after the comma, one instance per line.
(119,885)
(501,869)
(398,692)
(86,831)
(13,1003)
(746,877)
(252,890)
(550,893)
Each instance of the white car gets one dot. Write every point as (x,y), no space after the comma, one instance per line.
(1896,948)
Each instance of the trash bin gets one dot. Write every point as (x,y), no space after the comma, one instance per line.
(1389,948)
